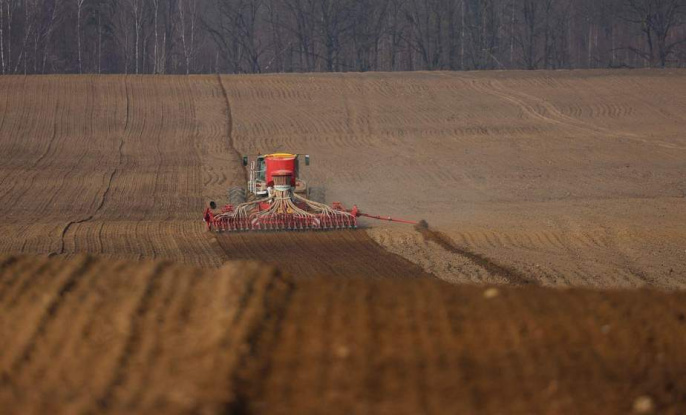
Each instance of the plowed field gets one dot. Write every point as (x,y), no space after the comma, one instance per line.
(572,178)
(565,179)
(112,165)
(92,336)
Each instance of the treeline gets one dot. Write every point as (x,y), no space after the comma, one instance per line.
(254,36)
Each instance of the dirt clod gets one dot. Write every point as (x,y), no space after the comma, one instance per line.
(644,405)
(491,293)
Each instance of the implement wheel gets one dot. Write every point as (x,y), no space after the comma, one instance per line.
(236,195)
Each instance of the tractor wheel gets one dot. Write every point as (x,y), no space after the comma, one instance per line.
(236,195)
(317,194)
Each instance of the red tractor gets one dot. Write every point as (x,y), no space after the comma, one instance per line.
(276,199)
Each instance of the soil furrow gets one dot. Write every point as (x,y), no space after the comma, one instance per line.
(232,144)
(51,309)
(256,342)
(134,337)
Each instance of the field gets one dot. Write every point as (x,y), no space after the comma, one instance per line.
(91,335)
(574,178)
(539,180)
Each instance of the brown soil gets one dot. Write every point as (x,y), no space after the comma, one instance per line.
(510,275)
(90,335)
(566,179)
(114,165)
(424,346)
(95,336)
(570,178)
(573,178)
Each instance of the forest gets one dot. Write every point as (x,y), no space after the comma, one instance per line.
(261,36)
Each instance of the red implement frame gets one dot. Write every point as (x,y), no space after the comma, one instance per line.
(280,221)
(290,222)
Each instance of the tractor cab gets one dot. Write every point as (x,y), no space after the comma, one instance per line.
(261,169)
(262,172)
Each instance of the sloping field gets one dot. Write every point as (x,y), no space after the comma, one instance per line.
(572,178)
(112,165)
(526,178)
(87,335)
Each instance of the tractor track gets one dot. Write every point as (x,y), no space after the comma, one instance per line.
(231,141)
(511,275)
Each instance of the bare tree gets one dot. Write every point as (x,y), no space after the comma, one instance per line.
(167,36)
(426,22)
(27,29)
(102,11)
(657,19)
(249,36)
(531,11)
(302,13)
(396,31)
(2,37)
(280,44)
(79,8)
(188,19)
(156,15)
(334,22)
(47,32)
(138,16)
(482,33)
(9,9)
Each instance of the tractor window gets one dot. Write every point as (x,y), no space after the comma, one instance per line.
(261,172)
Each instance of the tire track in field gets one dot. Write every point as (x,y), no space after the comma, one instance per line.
(509,274)
(110,180)
(103,199)
(554,116)
(229,115)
